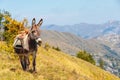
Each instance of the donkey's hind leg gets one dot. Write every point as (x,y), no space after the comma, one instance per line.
(22,62)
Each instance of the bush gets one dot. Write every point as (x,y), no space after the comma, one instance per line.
(56,48)
(101,63)
(11,28)
(47,46)
(85,56)
(7,49)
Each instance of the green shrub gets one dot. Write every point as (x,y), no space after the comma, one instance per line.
(56,48)
(85,56)
(101,63)
(47,46)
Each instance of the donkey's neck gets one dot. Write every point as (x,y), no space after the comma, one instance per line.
(32,44)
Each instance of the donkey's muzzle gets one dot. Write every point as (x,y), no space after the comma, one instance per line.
(39,41)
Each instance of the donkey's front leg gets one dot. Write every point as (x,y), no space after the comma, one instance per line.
(22,62)
(34,61)
(27,62)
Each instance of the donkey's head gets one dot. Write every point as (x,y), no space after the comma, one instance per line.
(35,31)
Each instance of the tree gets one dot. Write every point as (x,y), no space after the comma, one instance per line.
(12,28)
(2,13)
(85,56)
(101,63)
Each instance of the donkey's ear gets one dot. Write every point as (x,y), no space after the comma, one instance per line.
(33,21)
(40,23)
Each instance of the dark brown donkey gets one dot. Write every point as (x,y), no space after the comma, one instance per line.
(28,45)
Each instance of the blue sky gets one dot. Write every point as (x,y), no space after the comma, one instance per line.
(64,12)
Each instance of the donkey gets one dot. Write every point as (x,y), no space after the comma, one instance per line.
(29,45)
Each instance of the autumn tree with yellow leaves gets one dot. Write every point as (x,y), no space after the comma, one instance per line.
(12,28)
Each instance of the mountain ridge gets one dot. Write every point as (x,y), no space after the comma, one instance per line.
(86,30)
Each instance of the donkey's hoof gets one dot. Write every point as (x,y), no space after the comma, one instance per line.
(34,72)
(27,69)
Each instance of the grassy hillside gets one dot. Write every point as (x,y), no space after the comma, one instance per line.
(52,65)
(71,44)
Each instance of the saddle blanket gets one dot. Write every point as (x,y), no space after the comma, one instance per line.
(23,42)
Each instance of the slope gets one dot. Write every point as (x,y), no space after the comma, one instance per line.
(52,65)
(71,44)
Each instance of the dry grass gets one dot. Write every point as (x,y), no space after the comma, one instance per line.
(52,65)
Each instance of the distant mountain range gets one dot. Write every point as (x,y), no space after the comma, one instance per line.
(88,30)
(101,40)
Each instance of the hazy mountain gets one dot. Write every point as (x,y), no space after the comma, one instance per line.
(88,30)
(71,44)
(101,40)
